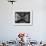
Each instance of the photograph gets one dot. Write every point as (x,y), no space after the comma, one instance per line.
(23,18)
(22,22)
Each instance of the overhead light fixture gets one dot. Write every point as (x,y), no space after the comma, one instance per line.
(12,1)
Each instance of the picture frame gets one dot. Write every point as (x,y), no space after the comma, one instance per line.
(24,18)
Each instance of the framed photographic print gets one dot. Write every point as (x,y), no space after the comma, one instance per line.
(23,18)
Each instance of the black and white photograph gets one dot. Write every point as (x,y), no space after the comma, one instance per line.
(23,18)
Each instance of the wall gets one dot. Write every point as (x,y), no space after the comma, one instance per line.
(9,31)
